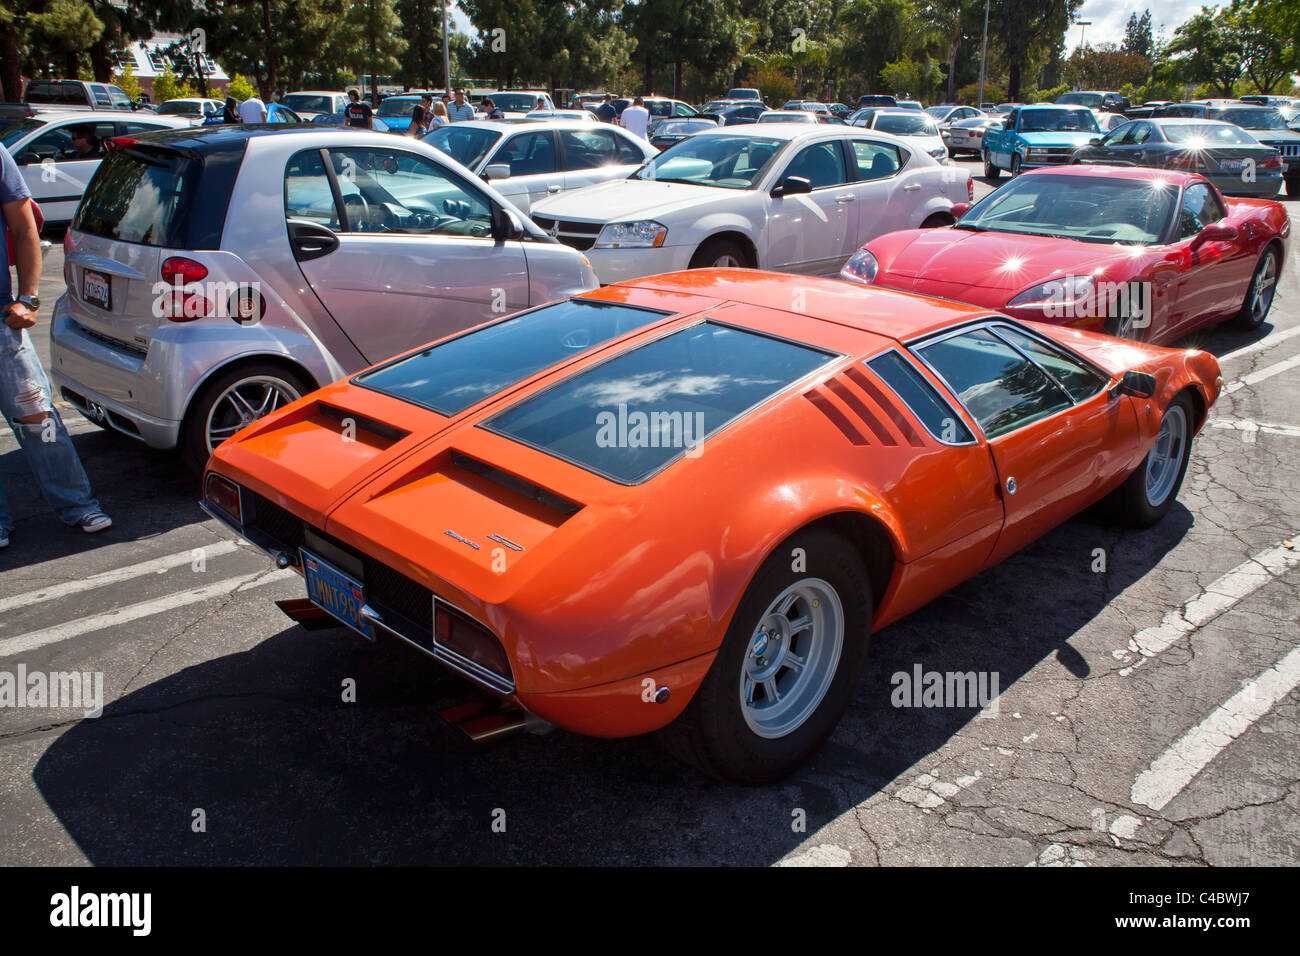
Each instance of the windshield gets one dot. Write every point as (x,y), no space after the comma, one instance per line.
(309,102)
(515,102)
(1252,119)
(397,106)
(915,124)
(1207,134)
(684,127)
(1087,208)
(465,144)
(1054,121)
(939,112)
(731,162)
(181,108)
(787,116)
(1081,99)
(20,129)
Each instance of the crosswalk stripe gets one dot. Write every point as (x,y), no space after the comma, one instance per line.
(1266,342)
(116,576)
(1267,372)
(1174,769)
(85,625)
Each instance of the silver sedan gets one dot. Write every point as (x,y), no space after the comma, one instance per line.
(216,274)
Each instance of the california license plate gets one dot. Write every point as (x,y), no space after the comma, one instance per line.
(336,592)
(97,289)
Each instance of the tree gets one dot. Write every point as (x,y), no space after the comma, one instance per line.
(1026,27)
(1266,55)
(1137,35)
(1105,67)
(1208,48)
(127,83)
(168,86)
(240,88)
(375,24)
(948,17)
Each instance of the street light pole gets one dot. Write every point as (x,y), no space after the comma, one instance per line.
(984,48)
(446,51)
(1083,25)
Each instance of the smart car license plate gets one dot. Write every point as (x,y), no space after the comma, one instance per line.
(336,592)
(97,289)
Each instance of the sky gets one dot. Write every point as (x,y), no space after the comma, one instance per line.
(1109,17)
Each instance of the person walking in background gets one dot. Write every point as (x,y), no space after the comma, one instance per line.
(605,112)
(252,110)
(636,118)
(460,110)
(421,116)
(24,389)
(490,108)
(230,114)
(439,115)
(359,114)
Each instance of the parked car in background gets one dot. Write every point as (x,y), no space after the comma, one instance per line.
(309,104)
(919,130)
(1040,135)
(520,102)
(661,109)
(75,94)
(908,105)
(869,436)
(1268,126)
(950,113)
(396,111)
(876,99)
(839,110)
(1227,155)
(51,159)
(586,116)
(812,106)
(740,115)
(797,197)
(671,132)
(1145,254)
(195,109)
(1109,121)
(186,320)
(967,136)
(1261,100)
(1146,110)
(788,116)
(1106,100)
(743,93)
(340,119)
(527,162)
(276,113)
(588,101)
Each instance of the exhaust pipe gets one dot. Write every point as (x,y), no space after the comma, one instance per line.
(307,615)
(482,721)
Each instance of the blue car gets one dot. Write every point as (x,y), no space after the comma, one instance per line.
(338,119)
(395,111)
(275,113)
(1044,134)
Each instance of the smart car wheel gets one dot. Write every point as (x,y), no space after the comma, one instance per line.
(1149,492)
(232,400)
(990,171)
(787,666)
(1259,297)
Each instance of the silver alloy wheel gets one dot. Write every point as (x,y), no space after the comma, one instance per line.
(726,261)
(1165,459)
(243,403)
(1128,328)
(792,657)
(1262,289)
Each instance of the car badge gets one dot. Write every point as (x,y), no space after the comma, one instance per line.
(463,540)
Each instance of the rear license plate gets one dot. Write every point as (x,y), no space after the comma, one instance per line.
(336,592)
(1232,165)
(97,289)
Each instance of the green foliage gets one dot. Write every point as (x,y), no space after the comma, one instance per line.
(127,83)
(1137,35)
(773,83)
(168,86)
(911,79)
(1048,95)
(993,93)
(240,88)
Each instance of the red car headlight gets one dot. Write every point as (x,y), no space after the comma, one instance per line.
(1064,295)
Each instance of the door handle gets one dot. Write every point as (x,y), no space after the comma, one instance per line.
(553,189)
(911,187)
(311,240)
(846,197)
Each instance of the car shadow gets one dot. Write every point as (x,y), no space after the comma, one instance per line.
(255,758)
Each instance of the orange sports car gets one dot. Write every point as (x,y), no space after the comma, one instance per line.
(683,503)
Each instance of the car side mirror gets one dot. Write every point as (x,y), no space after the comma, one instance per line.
(793,186)
(1215,232)
(506,226)
(1137,384)
(1095,141)
(27,158)
(497,171)
(960,209)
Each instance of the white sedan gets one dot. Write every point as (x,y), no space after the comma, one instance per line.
(529,161)
(57,153)
(916,127)
(802,198)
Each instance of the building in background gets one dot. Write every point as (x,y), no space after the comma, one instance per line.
(149,58)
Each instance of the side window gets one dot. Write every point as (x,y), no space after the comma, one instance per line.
(1121,136)
(391,190)
(1012,117)
(1076,378)
(628,152)
(529,154)
(1199,208)
(76,142)
(876,160)
(938,417)
(588,149)
(132,129)
(307,193)
(683,110)
(1001,388)
(1141,132)
(822,164)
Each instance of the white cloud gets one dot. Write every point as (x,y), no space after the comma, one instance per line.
(1110,17)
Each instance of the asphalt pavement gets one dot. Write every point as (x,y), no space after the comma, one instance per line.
(1147,708)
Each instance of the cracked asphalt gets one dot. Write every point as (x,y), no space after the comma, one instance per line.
(1147,712)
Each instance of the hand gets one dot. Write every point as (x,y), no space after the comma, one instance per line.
(19,316)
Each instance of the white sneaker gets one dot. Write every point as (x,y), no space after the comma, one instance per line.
(96,521)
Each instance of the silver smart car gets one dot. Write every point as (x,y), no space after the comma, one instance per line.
(216,274)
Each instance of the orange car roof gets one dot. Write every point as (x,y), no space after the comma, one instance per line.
(897,315)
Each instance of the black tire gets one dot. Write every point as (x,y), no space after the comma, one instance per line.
(1293,186)
(1015,165)
(1269,266)
(714,252)
(937,220)
(713,733)
(193,437)
(1130,502)
(990,171)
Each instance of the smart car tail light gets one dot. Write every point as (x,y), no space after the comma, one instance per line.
(178,303)
(461,634)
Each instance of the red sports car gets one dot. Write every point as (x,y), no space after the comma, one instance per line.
(1145,254)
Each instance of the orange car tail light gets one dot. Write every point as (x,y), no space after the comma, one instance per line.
(459,633)
(223,494)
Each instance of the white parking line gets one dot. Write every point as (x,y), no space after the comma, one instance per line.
(1267,371)
(116,576)
(63,632)
(1220,595)
(1249,429)
(1176,767)
(1267,342)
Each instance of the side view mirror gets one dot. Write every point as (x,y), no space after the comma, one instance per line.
(1137,384)
(1095,141)
(793,186)
(27,158)
(960,209)
(497,171)
(505,224)
(1215,232)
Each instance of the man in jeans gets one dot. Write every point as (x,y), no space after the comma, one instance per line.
(24,390)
